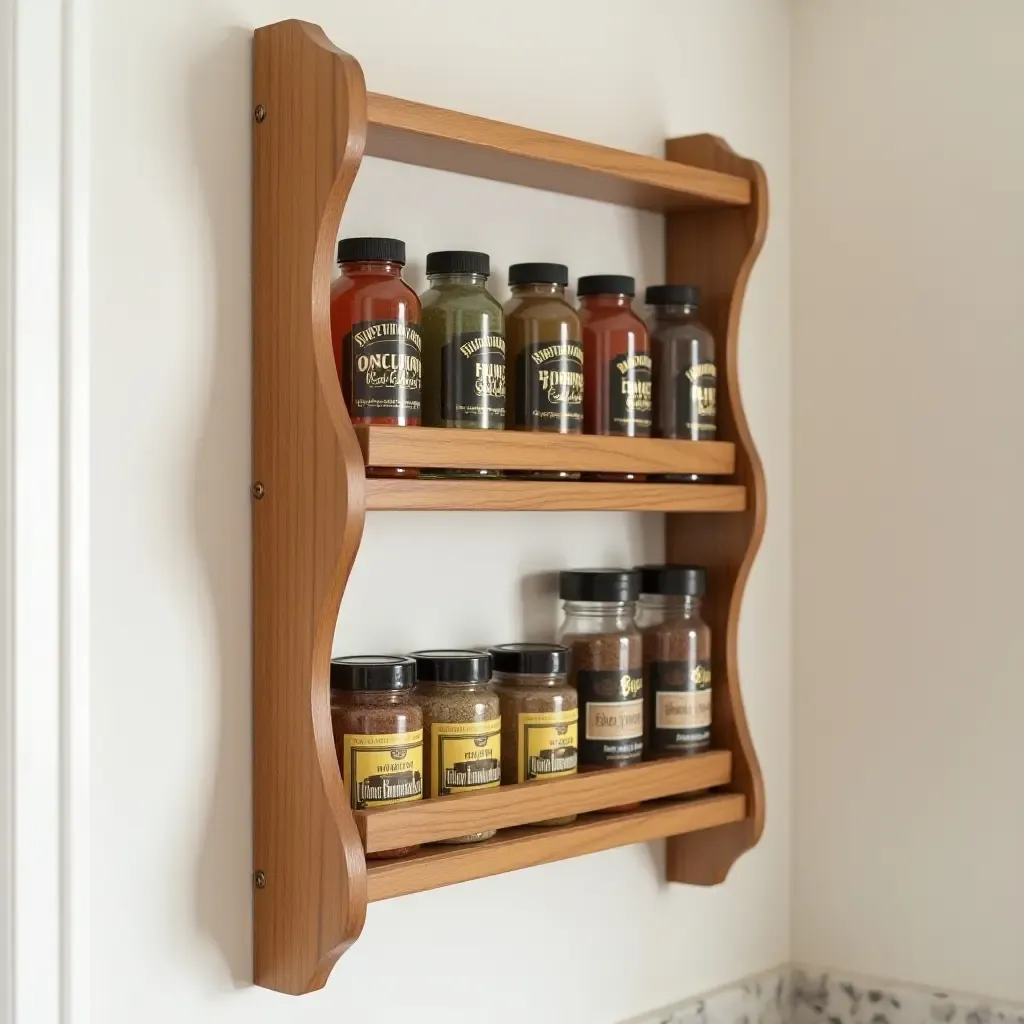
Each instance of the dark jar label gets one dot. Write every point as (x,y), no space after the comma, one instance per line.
(549,387)
(613,716)
(383,768)
(473,381)
(630,395)
(464,755)
(681,692)
(383,370)
(697,395)
(547,744)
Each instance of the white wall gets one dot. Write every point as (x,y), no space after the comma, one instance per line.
(170,769)
(909,446)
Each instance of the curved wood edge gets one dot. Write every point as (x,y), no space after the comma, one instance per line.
(309,102)
(717,249)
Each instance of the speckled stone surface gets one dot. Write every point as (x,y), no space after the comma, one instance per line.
(763,999)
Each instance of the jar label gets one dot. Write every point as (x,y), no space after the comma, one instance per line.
(464,755)
(473,380)
(630,394)
(547,744)
(549,386)
(383,768)
(697,397)
(383,370)
(682,704)
(613,704)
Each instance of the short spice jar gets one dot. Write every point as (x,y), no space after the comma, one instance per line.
(378,732)
(375,328)
(677,659)
(539,715)
(461,725)
(606,655)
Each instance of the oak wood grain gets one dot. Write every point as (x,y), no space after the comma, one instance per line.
(427,821)
(415,133)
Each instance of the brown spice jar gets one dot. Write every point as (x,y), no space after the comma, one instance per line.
(378,733)
(461,725)
(539,716)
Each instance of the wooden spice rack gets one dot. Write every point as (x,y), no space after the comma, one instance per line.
(314,121)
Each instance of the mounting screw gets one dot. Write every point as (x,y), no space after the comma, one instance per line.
(258,490)
(260,112)
(261,880)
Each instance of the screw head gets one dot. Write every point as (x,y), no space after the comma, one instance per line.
(258,490)
(260,113)
(261,880)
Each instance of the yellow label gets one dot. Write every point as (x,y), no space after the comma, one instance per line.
(547,744)
(383,768)
(682,709)
(464,755)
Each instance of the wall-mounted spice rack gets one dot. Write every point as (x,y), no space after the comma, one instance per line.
(314,121)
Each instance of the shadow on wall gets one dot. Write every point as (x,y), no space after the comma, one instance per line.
(217,108)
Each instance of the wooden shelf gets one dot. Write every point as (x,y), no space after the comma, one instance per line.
(415,133)
(527,847)
(431,447)
(387,828)
(550,496)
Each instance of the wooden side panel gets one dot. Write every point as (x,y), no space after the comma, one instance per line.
(716,249)
(309,104)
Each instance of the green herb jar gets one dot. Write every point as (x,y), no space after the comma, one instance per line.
(463,333)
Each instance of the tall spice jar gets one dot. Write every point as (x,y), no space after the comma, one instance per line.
(606,655)
(539,715)
(461,725)
(375,330)
(545,354)
(378,732)
(617,394)
(677,659)
(463,347)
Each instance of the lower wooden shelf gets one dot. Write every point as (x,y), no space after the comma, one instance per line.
(526,847)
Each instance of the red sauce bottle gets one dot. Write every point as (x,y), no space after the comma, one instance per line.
(375,328)
(617,389)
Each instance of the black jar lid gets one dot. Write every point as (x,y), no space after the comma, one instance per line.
(452,666)
(672,295)
(458,261)
(531,659)
(373,672)
(538,273)
(673,580)
(606,284)
(371,250)
(599,585)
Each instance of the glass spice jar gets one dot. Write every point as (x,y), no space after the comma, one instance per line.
(461,725)
(538,714)
(677,659)
(378,732)
(375,329)
(463,348)
(544,361)
(606,654)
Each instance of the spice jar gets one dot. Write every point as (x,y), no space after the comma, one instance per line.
(607,664)
(545,354)
(375,328)
(617,392)
(463,347)
(378,731)
(538,714)
(677,659)
(461,725)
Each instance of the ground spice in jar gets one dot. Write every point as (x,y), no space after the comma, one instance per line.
(677,659)
(539,716)
(461,725)
(606,654)
(378,732)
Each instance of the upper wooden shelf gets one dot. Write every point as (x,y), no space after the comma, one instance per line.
(414,133)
